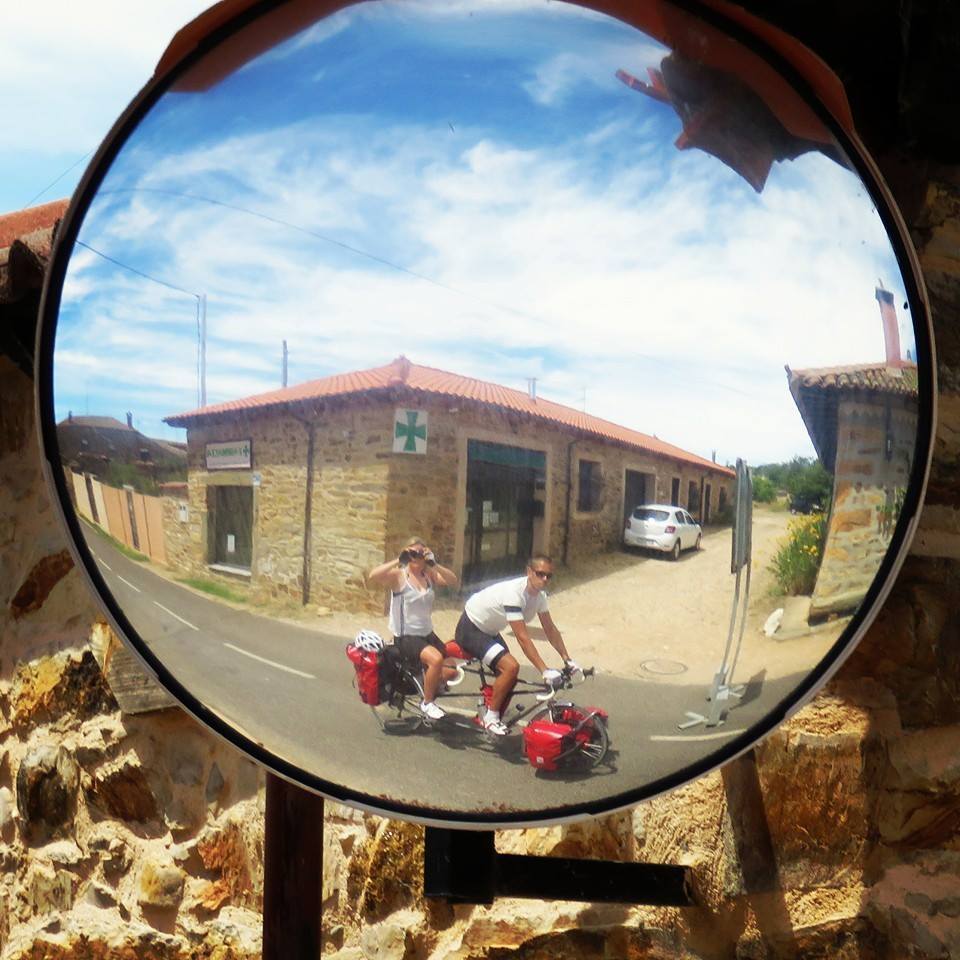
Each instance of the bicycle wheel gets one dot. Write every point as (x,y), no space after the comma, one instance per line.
(585,753)
(590,752)
(400,712)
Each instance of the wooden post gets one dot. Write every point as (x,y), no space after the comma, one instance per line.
(292,872)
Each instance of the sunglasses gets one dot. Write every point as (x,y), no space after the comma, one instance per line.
(543,574)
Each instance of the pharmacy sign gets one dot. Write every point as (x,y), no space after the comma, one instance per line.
(229,455)
(410,431)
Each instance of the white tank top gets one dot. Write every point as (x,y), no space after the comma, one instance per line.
(411,610)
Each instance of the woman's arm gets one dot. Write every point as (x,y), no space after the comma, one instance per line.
(439,575)
(385,575)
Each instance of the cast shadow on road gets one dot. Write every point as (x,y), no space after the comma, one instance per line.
(462,736)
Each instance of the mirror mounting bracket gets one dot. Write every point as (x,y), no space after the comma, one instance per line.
(463,866)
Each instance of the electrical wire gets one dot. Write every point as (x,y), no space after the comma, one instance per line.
(53,183)
(139,273)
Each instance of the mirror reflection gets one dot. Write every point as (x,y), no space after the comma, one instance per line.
(512,326)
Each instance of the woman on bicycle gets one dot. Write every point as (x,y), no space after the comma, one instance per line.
(412,578)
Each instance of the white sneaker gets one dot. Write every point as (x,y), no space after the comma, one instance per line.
(495,726)
(431,711)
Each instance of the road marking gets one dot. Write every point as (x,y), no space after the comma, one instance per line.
(186,623)
(128,583)
(271,663)
(677,737)
(102,564)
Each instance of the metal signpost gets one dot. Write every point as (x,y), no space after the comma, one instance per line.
(722,689)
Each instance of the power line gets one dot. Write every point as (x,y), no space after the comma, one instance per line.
(139,273)
(334,242)
(52,183)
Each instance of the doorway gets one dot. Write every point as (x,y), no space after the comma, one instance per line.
(504,499)
(637,488)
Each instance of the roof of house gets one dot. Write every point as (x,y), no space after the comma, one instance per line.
(877,377)
(100,423)
(19,223)
(817,391)
(402,374)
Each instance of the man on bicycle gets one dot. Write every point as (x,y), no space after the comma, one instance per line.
(512,602)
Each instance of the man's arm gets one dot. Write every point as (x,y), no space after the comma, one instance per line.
(553,634)
(527,645)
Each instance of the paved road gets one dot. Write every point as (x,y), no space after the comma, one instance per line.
(290,689)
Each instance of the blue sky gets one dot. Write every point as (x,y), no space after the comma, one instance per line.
(475,190)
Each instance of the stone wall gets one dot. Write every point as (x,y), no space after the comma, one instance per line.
(121,834)
(425,491)
(867,491)
(836,840)
(367,501)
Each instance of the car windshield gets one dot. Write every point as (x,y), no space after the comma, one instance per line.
(645,513)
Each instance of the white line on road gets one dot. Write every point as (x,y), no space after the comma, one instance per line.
(186,623)
(128,583)
(677,737)
(102,564)
(271,663)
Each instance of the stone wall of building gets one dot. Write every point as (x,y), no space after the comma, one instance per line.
(867,494)
(347,504)
(367,501)
(425,489)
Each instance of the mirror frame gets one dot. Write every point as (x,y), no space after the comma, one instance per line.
(810,79)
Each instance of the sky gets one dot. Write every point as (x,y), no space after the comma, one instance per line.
(470,187)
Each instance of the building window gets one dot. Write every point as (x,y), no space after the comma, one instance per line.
(590,490)
(230,526)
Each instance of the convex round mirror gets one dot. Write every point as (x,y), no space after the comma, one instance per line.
(564,332)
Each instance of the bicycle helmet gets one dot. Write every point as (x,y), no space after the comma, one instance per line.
(368,640)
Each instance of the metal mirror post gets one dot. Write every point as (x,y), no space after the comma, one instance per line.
(398,371)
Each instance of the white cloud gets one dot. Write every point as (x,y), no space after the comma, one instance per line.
(657,282)
(69,69)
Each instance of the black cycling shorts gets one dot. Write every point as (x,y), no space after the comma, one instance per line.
(410,647)
(485,647)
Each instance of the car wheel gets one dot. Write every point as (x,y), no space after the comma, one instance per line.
(675,552)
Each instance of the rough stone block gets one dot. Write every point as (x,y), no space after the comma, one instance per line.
(47,782)
(121,789)
(160,884)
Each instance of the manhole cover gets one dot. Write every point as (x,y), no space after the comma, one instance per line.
(663,668)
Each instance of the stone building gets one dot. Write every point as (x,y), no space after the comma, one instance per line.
(299,490)
(862,420)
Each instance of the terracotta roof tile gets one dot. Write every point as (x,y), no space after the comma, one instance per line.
(19,223)
(877,377)
(401,373)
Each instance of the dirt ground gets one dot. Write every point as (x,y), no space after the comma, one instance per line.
(642,616)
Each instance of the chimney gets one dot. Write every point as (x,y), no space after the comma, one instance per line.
(129,419)
(69,416)
(532,388)
(891,329)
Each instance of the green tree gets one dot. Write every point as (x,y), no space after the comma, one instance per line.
(764,490)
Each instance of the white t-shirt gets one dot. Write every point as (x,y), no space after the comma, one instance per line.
(492,608)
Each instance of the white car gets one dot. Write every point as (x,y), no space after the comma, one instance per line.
(664,528)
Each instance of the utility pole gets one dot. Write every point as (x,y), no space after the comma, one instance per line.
(203,349)
(283,379)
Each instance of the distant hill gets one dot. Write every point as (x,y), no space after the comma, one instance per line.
(117,453)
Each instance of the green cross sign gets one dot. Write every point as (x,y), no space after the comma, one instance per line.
(410,431)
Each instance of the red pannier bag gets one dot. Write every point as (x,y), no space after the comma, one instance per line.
(366,663)
(543,742)
(581,720)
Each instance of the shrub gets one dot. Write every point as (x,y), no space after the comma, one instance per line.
(763,490)
(796,563)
